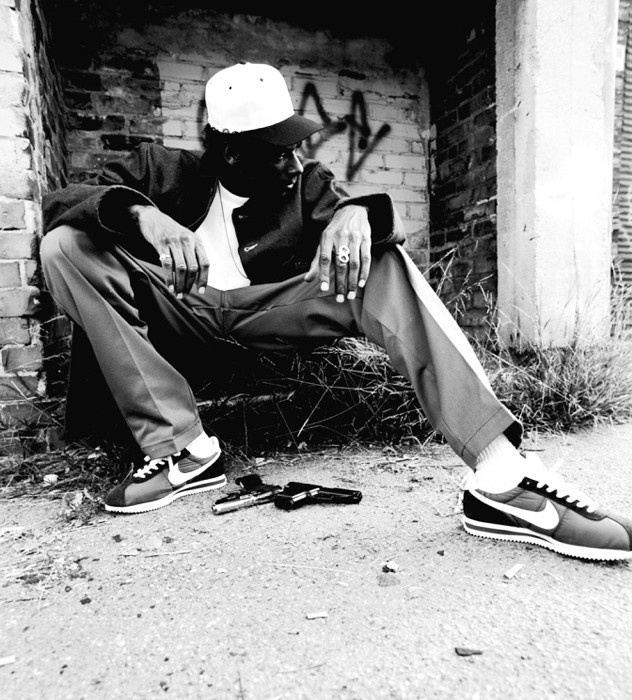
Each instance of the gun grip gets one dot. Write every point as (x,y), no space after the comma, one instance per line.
(249,482)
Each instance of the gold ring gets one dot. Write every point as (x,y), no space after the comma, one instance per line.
(343,254)
(164,257)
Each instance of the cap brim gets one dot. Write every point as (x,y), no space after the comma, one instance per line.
(285,133)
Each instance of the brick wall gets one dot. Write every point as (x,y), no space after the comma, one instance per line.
(463,167)
(125,85)
(31,152)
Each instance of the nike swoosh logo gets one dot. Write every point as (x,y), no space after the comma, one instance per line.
(177,477)
(248,248)
(547,518)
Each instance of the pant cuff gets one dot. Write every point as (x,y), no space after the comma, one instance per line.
(164,448)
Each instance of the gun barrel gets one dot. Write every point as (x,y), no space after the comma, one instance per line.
(242,501)
(333,495)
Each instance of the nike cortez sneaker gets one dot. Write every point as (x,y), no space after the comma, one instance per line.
(546,511)
(158,482)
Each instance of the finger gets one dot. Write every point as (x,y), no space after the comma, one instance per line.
(312,273)
(324,263)
(203,266)
(166,262)
(191,263)
(353,268)
(341,267)
(179,267)
(365,262)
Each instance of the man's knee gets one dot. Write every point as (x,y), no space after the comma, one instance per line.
(57,245)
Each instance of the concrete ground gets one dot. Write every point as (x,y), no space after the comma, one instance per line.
(265,604)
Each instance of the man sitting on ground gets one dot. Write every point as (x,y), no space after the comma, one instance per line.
(167,251)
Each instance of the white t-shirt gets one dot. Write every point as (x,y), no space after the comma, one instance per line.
(217,232)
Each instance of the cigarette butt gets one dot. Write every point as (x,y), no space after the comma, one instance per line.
(6,660)
(510,573)
(316,615)
(465,651)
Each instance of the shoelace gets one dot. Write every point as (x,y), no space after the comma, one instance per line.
(552,482)
(153,466)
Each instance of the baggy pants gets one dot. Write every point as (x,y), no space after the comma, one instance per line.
(98,287)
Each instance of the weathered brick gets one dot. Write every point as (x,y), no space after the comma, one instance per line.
(403,162)
(12,90)
(127,104)
(83,141)
(78,100)
(85,122)
(11,214)
(113,122)
(383,177)
(14,331)
(26,415)
(22,359)
(10,274)
(139,65)
(170,70)
(15,245)
(173,127)
(416,211)
(16,388)
(23,301)
(31,273)
(13,121)
(17,183)
(416,240)
(15,153)
(416,179)
(10,55)
(403,194)
(143,126)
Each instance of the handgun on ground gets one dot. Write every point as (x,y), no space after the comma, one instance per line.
(252,492)
(296,494)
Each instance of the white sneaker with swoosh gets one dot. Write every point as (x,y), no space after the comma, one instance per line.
(184,466)
(546,511)
(158,482)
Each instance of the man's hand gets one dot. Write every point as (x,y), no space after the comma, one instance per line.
(181,252)
(346,245)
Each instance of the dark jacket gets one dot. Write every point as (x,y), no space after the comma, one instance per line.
(182,184)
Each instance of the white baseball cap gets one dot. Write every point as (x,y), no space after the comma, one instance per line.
(253,99)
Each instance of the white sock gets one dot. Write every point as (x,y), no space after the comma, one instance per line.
(499,467)
(203,446)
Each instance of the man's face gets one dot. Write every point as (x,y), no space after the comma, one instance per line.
(265,169)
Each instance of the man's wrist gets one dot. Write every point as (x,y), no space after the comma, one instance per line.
(137,210)
(140,212)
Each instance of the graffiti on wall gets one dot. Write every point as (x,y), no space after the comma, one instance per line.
(362,141)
